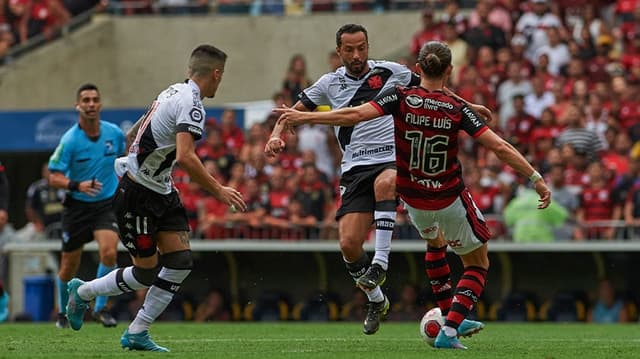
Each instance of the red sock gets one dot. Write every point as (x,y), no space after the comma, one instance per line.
(439,275)
(468,292)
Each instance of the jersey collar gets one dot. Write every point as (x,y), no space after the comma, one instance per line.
(346,74)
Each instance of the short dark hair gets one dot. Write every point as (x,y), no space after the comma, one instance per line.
(434,58)
(350,29)
(204,58)
(85,87)
(210,51)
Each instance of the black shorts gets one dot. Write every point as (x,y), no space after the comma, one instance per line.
(356,188)
(80,219)
(142,212)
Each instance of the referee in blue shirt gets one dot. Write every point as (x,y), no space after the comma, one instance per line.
(83,163)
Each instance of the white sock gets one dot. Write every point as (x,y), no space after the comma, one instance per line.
(375,294)
(108,285)
(385,221)
(158,298)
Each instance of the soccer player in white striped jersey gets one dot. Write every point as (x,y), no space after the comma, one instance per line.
(151,217)
(367,184)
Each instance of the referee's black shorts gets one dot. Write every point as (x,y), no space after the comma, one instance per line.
(80,219)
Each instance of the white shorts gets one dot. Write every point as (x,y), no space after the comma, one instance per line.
(461,223)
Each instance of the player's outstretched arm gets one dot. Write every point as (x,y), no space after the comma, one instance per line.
(189,161)
(347,116)
(276,143)
(509,155)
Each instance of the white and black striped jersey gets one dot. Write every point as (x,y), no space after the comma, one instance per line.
(369,142)
(153,153)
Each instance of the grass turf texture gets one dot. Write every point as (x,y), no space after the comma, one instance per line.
(333,340)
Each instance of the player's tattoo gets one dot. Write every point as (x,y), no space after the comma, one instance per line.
(184,238)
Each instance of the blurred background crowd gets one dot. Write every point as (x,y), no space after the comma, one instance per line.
(562,78)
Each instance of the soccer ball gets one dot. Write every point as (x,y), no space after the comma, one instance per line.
(430,325)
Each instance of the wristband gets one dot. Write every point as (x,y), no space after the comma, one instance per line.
(535,176)
(74,186)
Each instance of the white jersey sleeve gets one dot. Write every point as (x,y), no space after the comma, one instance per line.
(316,94)
(190,115)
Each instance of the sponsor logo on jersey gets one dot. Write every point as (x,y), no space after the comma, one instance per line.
(195,130)
(387,99)
(432,104)
(426,182)
(414,101)
(372,151)
(195,115)
(474,119)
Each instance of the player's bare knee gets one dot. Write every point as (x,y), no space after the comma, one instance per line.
(350,247)
(385,188)
(477,258)
(109,256)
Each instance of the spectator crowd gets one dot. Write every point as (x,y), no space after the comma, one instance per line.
(562,79)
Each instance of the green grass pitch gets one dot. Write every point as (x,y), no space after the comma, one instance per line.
(330,340)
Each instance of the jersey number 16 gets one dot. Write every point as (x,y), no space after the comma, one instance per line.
(427,154)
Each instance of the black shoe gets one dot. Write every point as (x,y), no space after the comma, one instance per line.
(105,318)
(62,321)
(373,277)
(376,311)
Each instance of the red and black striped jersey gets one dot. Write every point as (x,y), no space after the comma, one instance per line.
(426,138)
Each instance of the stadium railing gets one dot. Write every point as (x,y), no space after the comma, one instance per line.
(33,258)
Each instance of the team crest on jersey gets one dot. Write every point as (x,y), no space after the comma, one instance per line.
(108,148)
(414,101)
(196,115)
(375,82)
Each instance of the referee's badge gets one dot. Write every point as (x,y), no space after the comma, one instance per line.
(108,148)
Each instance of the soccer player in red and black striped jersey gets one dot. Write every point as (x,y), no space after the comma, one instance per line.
(429,179)
(368,169)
